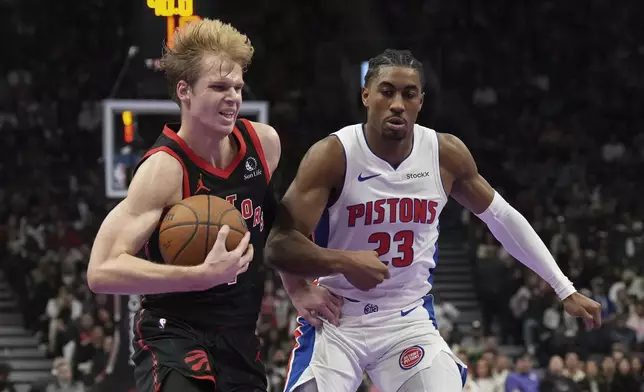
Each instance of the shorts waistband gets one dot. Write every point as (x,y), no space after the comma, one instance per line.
(354,308)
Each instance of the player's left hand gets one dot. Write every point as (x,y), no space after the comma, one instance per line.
(313,301)
(579,305)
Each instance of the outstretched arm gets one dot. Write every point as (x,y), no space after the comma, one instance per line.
(512,230)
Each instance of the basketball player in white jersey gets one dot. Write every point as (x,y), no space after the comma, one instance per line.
(381,186)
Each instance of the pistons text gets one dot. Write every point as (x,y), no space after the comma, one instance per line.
(393,210)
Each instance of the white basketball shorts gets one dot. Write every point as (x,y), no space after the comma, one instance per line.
(390,344)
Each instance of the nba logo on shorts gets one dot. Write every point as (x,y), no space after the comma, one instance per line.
(411,357)
(161,323)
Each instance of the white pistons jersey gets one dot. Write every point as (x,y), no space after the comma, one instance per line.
(393,211)
(389,331)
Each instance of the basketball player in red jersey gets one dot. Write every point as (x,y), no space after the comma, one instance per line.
(349,185)
(197,324)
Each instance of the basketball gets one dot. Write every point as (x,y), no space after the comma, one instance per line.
(189,229)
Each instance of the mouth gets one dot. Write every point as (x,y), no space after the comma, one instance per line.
(396,123)
(228,114)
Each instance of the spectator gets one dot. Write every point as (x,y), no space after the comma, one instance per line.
(501,372)
(559,329)
(607,374)
(520,302)
(599,295)
(101,366)
(87,351)
(618,292)
(482,374)
(591,383)
(573,369)
(532,324)
(564,246)
(61,310)
(636,288)
(636,369)
(493,275)
(64,380)
(619,352)
(622,334)
(474,342)
(636,322)
(523,379)
(555,380)
(446,315)
(470,382)
(624,379)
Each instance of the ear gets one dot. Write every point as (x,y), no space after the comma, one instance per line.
(365,95)
(183,91)
(422,99)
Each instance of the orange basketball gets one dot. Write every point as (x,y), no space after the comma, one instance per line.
(189,230)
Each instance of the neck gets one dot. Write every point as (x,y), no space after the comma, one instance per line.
(392,151)
(213,147)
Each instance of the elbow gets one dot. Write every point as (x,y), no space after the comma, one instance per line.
(96,280)
(272,251)
(269,255)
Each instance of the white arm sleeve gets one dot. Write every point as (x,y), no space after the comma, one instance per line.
(520,240)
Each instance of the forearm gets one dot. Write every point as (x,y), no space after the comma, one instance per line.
(291,282)
(291,252)
(520,240)
(127,274)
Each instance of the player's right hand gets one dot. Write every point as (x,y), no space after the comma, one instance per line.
(365,271)
(222,266)
(312,301)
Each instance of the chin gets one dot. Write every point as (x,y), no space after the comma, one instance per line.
(225,129)
(389,134)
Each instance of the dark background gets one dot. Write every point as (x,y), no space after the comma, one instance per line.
(547,95)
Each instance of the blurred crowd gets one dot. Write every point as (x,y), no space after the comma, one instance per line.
(557,131)
(491,372)
(547,95)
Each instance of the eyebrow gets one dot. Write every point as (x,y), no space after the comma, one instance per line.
(407,87)
(226,81)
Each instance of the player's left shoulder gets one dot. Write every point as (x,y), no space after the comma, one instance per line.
(450,143)
(454,154)
(270,142)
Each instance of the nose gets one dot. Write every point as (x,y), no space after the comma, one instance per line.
(233,95)
(397,104)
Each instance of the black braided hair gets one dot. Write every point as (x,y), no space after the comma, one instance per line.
(394,58)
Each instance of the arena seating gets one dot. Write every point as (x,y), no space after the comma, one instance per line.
(546,95)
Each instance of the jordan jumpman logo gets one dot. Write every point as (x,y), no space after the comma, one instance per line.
(201,186)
